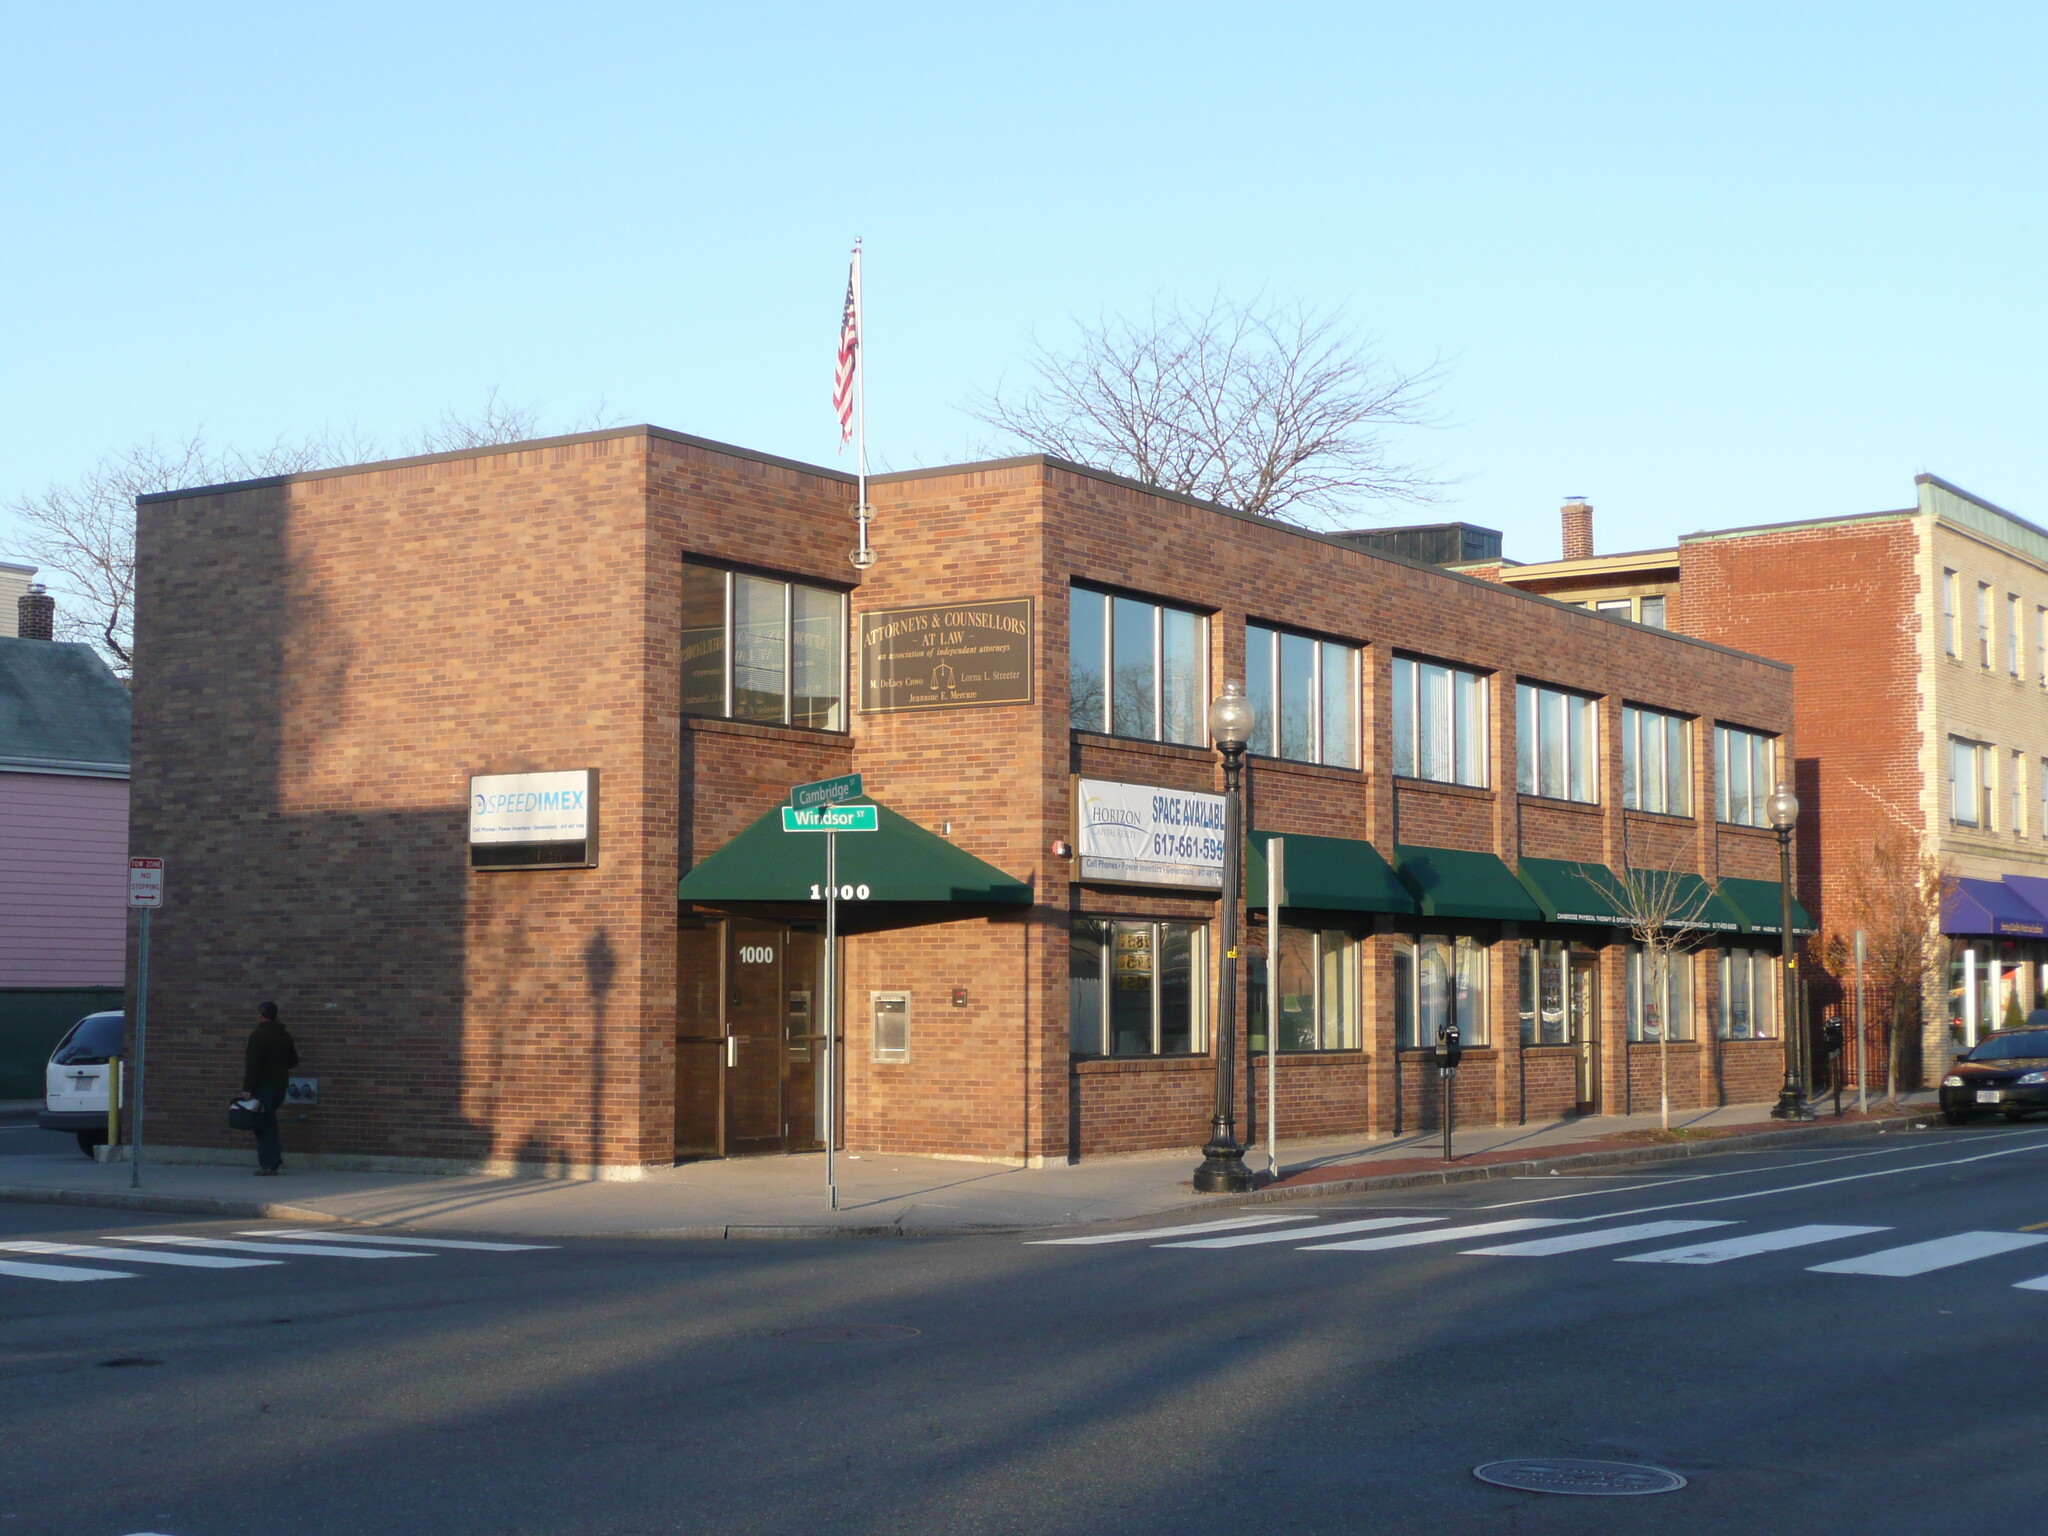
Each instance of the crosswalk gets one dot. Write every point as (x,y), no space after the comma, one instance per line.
(1568,1235)
(259,1249)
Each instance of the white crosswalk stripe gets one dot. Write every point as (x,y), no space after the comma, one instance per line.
(136,1255)
(326,1251)
(22,1271)
(1939,1253)
(1750,1243)
(1296,1234)
(383,1239)
(1181,1231)
(1574,1242)
(1412,1239)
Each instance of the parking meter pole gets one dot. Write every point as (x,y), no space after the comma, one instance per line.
(831,1011)
(141,1036)
(1450,1085)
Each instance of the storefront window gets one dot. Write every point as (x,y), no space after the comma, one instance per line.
(1134,988)
(1543,993)
(1650,1005)
(1136,668)
(1440,980)
(1304,694)
(759,649)
(1749,994)
(1318,992)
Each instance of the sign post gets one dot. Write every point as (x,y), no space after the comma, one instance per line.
(1862,1048)
(820,807)
(1276,897)
(145,894)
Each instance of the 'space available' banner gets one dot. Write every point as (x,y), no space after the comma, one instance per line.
(1144,835)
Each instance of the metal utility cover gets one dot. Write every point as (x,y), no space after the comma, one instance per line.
(1587,1479)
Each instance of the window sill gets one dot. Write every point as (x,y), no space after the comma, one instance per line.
(1140,744)
(761,730)
(1306,770)
(1464,791)
(1331,1057)
(1092,1066)
(1472,1052)
(1651,1045)
(1743,826)
(1666,816)
(1553,803)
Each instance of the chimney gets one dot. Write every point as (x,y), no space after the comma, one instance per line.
(37,614)
(1578,528)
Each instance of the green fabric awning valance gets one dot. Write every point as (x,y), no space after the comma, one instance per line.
(1698,901)
(900,861)
(1450,882)
(1571,893)
(1329,874)
(1757,904)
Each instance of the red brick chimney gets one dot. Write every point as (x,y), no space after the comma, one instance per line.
(36,612)
(1578,528)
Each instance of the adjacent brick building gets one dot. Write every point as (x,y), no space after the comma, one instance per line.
(1027,969)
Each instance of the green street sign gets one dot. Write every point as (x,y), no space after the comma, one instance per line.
(827,818)
(825,792)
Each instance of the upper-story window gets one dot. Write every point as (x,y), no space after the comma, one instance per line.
(1743,777)
(2012,633)
(1305,695)
(1439,723)
(1136,668)
(1950,639)
(1984,623)
(1656,761)
(1651,612)
(1969,783)
(1556,744)
(755,648)
(2015,793)
(2041,646)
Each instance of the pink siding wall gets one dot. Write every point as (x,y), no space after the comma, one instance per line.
(63,881)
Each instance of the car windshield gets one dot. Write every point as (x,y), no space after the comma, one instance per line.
(2020,1045)
(92,1040)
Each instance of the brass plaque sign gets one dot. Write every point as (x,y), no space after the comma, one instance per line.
(948,656)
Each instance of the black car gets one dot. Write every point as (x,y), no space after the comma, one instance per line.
(2006,1073)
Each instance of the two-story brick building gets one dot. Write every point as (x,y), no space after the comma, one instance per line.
(1028,964)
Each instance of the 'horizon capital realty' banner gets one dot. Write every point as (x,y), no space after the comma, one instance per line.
(1141,834)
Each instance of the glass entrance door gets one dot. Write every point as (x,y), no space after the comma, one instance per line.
(755,956)
(1585,1029)
(749,1044)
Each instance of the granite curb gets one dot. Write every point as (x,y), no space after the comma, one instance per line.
(177,1205)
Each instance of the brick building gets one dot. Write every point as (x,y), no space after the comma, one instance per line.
(1921,641)
(1028,965)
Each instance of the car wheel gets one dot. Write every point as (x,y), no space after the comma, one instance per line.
(1954,1116)
(87,1140)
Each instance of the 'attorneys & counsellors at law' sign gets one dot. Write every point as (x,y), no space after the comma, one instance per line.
(949,656)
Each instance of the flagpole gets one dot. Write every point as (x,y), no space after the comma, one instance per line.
(863,557)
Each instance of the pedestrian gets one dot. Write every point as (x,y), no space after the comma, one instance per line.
(267,1062)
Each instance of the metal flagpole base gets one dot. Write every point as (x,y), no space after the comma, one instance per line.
(1223,1171)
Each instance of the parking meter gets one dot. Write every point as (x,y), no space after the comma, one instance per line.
(1831,1037)
(1450,1048)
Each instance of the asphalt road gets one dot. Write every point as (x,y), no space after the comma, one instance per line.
(1109,1386)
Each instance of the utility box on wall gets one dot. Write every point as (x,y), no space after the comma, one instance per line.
(892,1025)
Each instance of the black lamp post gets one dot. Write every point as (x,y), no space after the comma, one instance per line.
(1783,809)
(1223,1171)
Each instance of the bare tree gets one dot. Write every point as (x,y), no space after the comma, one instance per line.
(1662,911)
(82,535)
(1892,890)
(1269,408)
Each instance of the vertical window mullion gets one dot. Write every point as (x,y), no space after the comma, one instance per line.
(731,635)
(788,645)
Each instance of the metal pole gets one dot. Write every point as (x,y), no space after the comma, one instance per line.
(1447,1078)
(141,1034)
(1222,1170)
(1862,1044)
(1791,1103)
(831,1008)
(1276,895)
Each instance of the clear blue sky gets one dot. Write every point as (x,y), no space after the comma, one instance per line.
(1705,265)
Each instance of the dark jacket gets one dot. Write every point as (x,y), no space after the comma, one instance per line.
(268,1060)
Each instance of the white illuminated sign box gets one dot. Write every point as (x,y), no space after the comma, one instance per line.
(1142,834)
(533,820)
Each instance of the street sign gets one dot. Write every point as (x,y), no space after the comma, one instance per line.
(825,792)
(843,818)
(145,883)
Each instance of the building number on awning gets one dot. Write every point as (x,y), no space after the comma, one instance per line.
(846,893)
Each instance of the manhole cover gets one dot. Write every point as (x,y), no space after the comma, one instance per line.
(846,1333)
(1595,1479)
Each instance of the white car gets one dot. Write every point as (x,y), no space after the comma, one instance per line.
(75,1083)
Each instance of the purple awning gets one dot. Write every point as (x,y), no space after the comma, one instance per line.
(1992,907)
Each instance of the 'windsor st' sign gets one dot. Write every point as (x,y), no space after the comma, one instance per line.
(947,656)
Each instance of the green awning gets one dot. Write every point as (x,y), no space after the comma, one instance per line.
(1330,874)
(1758,904)
(1699,901)
(900,861)
(1449,882)
(1571,893)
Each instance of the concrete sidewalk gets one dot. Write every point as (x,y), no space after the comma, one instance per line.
(888,1195)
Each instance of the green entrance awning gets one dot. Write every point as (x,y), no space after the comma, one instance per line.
(1698,901)
(1758,904)
(1572,893)
(1330,874)
(900,861)
(1450,882)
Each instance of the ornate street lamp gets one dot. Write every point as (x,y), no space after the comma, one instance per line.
(1783,810)
(1223,1171)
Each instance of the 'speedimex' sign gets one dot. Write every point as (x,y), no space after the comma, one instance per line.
(533,820)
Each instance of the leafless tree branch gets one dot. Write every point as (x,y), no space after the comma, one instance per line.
(1662,912)
(1269,408)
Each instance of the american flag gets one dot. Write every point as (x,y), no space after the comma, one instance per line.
(849,355)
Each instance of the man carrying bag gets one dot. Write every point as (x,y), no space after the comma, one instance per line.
(267,1062)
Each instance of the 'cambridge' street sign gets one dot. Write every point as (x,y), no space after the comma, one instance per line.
(825,792)
(841,818)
